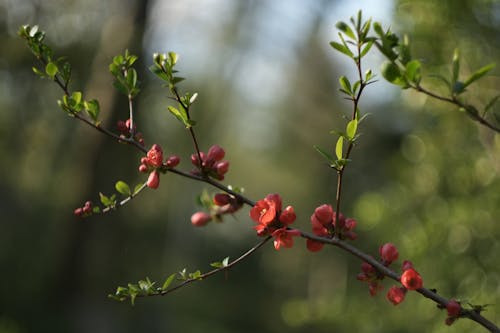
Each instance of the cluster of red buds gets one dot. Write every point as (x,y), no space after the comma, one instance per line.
(272,220)
(410,279)
(222,204)
(126,130)
(85,210)
(212,163)
(153,161)
(324,224)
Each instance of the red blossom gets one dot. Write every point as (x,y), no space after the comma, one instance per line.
(221,199)
(264,211)
(324,214)
(407,265)
(388,253)
(155,156)
(215,153)
(411,279)
(396,295)
(283,237)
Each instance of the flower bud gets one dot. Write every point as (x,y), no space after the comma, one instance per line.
(314,246)
(172,161)
(121,126)
(396,295)
(143,168)
(78,212)
(222,167)
(153,179)
(221,199)
(215,153)
(200,219)
(288,215)
(388,253)
(453,308)
(324,214)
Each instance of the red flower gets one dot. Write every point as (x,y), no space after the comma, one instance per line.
(284,237)
(215,153)
(153,179)
(323,214)
(155,156)
(407,265)
(396,295)
(388,253)
(411,279)
(264,211)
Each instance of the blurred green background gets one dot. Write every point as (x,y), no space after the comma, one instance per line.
(423,176)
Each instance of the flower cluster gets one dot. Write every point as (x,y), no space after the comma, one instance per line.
(324,223)
(125,130)
(85,210)
(272,220)
(221,204)
(410,279)
(153,161)
(212,163)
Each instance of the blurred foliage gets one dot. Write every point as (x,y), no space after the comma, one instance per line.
(423,175)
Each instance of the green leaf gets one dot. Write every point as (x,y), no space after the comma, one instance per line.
(195,275)
(131,78)
(323,153)
(173,57)
(123,188)
(345,84)
(342,48)
(92,108)
(413,71)
(120,87)
(168,281)
(479,74)
(455,66)
(76,97)
(38,72)
(342,26)
(182,116)
(351,129)
(51,70)
(365,49)
(339,147)
(491,103)
(137,188)
(391,72)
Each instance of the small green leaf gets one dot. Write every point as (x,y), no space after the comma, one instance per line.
(455,66)
(342,48)
(365,49)
(131,78)
(195,275)
(123,188)
(391,72)
(479,74)
(51,69)
(38,72)
(345,84)
(491,103)
(342,26)
(339,147)
(92,108)
(323,153)
(351,129)
(413,71)
(177,79)
(168,281)
(137,188)
(76,97)
(173,57)
(225,261)
(181,116)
